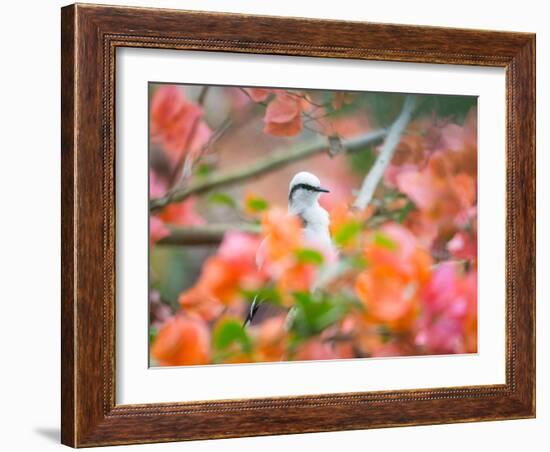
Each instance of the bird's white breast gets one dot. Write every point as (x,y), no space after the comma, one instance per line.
(316,225)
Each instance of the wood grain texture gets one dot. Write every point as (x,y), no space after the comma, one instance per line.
(67,226)
(90,36)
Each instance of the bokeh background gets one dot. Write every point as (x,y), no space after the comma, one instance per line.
(404,281)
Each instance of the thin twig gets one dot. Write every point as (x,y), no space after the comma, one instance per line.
(386,153)
(276,160)
(210,234)
(202,95)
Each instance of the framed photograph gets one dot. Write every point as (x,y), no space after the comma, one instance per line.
(281,225)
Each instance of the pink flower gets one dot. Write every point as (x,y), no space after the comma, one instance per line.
(157,187)
(448,323)
(258,94)
(182,213)
(393,171)
(463,246)
(159,311)
(455,138)
(157,230)
(239,248)
(223,277)
(315,349)
(340,194)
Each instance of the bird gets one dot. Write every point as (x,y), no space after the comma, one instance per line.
(303,202)
(304,191)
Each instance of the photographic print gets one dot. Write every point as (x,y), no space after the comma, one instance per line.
(290,224)
(289,206)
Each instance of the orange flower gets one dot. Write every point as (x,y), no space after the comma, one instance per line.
(283,234)
(219,283)
(182,340)
(346,224)
(176,122)
(438,192)
(221,278)
(315,349)
(410,150)
(271,339)
(224,275)
(278,254)
(283,116)
(436,167)
(296,277)
(397,270)
(200,300)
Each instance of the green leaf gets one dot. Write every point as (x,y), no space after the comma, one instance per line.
(303,297)
(384,241)
(309,256)
(230,332)
(257,204)
(347,233)
(385,333)
(362,160)
(358,262)
(153,332)
(267,294)
(204,170)
(403,213)
(315,313)
(223,199)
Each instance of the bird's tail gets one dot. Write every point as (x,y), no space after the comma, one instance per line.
(252,310)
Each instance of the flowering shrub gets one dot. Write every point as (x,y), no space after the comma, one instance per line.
(401,278)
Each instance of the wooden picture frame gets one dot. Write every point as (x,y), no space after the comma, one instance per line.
(90,36)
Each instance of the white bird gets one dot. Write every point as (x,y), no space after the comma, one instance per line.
(303,202)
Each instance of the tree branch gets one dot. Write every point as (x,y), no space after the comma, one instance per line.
(211,234)
(276,160)
(386,153)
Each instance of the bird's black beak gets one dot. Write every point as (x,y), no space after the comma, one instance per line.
(323,190)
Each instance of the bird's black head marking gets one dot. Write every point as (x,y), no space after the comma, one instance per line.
(306,187)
